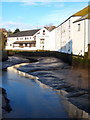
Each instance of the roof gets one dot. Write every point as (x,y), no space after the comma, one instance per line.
(50,28)
(3,30)
(83,18)
(18,42)
(25,33)
(83,12)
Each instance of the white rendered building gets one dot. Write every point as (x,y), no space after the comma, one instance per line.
(72,36)
(37,39)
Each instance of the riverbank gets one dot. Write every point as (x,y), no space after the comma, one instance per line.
(3,93)
(4,101)
(58,75)
(12,61)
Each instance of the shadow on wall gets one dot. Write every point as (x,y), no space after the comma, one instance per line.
(66,48)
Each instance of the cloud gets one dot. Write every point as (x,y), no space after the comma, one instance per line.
(22,26)
(33,2)
(29,3)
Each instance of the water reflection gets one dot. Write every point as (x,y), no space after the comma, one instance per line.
(29,100)
(75,112)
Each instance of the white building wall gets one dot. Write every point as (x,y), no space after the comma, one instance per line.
(80,38)
(87,34)
(39,35)
(88,31)
(58,38)
(64,36)
(11,40)
(52,40)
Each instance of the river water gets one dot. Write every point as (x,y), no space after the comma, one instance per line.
(30,100)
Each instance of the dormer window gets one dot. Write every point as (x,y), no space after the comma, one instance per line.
(43,32)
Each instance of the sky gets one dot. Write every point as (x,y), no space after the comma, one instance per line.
(27,15)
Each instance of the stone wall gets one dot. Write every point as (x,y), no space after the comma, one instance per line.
(3,55)
(89,51)
(63,56)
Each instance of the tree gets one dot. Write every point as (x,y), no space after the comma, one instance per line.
(17,30)
(3,38)
(9,32)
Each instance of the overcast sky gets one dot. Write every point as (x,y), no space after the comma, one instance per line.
(31,15)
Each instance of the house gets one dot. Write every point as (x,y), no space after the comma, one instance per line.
(72,36)
(81,36)
(22,40)
(37,39)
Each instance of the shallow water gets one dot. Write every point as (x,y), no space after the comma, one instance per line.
(30,100)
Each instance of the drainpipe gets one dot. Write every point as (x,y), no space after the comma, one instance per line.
(84,35)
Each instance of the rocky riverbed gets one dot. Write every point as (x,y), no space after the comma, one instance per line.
(58,75)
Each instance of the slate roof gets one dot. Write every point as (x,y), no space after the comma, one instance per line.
(25,33)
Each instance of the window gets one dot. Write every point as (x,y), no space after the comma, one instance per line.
(33,45)
(21,45)
(34,37)
(43,32)
(25,44)
(78,27)
(41,41)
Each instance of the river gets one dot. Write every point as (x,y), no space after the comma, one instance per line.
(29,99)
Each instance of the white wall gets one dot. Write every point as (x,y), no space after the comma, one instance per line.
(57,38)
(88,28)
(11,40)
(39,35)
(80,38)
(64,36)
(52,39)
